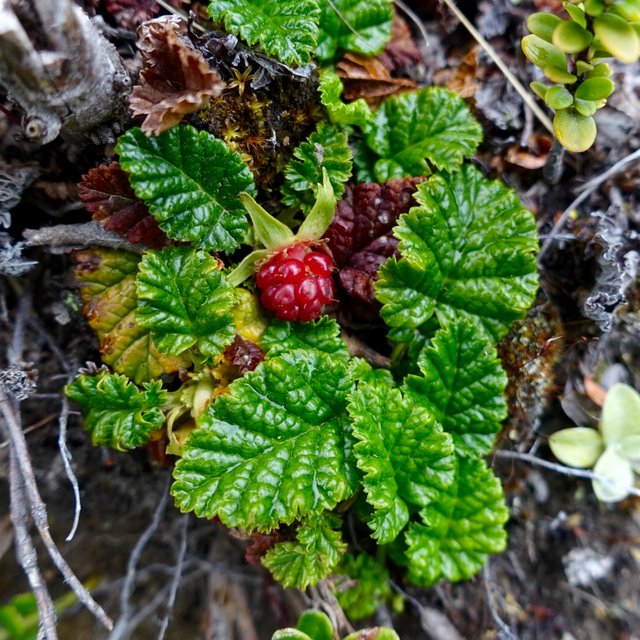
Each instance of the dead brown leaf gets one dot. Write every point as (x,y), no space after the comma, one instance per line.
(176,79)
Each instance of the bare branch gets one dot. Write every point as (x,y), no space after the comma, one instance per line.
(63,238)
(26,553)
(504,631)
(39,509)
(560,468)
(177,575)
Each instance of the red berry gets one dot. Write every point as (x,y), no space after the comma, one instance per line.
(295,282)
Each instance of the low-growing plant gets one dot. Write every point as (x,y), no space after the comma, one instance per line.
(315,625)
(613,450)
(277,429)
(572,52)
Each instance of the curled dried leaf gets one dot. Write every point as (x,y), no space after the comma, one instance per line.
(107,194)
(176,78)
(368,78)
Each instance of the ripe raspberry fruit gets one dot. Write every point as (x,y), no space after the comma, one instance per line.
(295,282)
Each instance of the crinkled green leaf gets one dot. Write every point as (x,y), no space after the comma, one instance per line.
(368,585)
(462,386)
(431,124)
(322,334)
(286,29)
(108,290)
(468,252)
(362,26)
(327,148)
(191,182)
(405,456)
(460,530)
(116,412)
(185,300)
(311,558)
(276,447)
(340,113)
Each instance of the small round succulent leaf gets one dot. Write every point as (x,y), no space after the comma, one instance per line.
(619,472)
(570,37)
(574,131)
(542,53)
(618,37)
(620,414)
(577,447)
(543,24)
(596,88)
(558,97)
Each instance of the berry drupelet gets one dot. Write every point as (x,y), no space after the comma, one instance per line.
(295,282)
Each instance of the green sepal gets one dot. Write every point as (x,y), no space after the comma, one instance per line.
(431,124)
(618,37)
(313,556)
(462,386)
(404,455)
(577,446)
(460,530)
(361,26)
(267,230)
(326,148)
(246,267)
(286,29)
(191,182)
(322,334)
(116,412)
(275,448)
(185,300)
(543,25)
(594,8)
(339,113)
(467,251)
(319,218)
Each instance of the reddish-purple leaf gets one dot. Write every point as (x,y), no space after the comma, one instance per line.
(107,194)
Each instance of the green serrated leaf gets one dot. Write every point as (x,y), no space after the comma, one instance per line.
(116,412)
(191,182)
(460,530)
(327,147)
(405,456)
(286,29)
(462,386)
(361,26)
(468,252)
(185,300)
(274,448)
(107,281)
(322,334)
(313,557)
(355,113)
(431,124)
(368,585)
